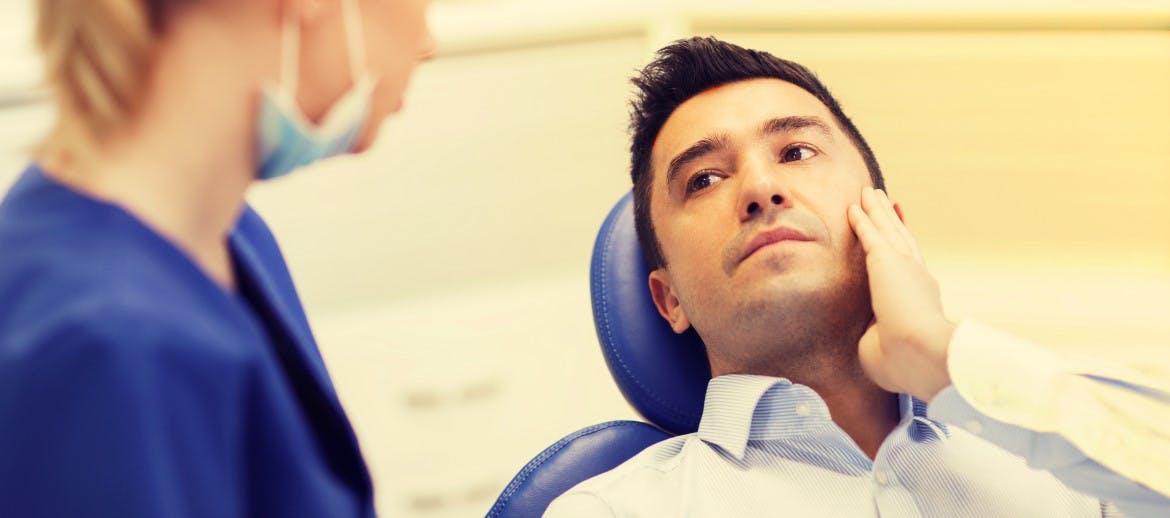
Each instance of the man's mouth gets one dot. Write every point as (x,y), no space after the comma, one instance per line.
(772,237)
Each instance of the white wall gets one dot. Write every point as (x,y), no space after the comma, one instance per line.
(21,71)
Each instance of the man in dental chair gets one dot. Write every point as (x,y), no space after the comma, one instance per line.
(838,386)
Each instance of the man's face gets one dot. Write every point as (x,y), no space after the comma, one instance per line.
(751,182)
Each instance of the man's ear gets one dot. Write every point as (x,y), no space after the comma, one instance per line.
(666,300)
(898,211)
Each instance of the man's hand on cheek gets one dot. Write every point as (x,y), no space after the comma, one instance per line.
(905,349)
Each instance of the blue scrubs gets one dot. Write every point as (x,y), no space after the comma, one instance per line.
(132,385)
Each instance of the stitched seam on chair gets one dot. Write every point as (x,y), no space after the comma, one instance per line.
(540,459)
(609,332)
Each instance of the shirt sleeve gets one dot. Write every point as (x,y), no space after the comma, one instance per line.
(106,419)
(576,504)
(1101,428)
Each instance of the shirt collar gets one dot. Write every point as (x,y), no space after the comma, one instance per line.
(739,407)
(921,427)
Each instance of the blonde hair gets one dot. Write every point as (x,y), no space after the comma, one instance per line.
(97,58)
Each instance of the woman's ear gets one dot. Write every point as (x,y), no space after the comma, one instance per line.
(666,300)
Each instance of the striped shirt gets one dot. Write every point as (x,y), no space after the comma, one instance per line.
(768,447)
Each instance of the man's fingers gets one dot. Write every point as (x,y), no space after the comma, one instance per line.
(907,242)
(872,203)
(880,211)
(882,214)
(866,232)
(906,231)
(895,217)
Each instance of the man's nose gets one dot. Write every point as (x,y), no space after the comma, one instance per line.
(761,192)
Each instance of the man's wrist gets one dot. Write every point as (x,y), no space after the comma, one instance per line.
(935,349)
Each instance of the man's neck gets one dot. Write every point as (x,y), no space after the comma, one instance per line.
(862,409)
(819,350)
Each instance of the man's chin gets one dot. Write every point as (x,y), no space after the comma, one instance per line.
(783,292)
(780,275)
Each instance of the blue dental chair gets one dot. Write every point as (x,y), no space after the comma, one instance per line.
(662,375)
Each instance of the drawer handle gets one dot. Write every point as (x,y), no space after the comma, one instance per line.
(479,494)
(468,394)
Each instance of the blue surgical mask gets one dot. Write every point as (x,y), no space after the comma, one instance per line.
(286,138)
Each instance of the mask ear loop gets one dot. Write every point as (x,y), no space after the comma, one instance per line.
(355,39)
(290,47)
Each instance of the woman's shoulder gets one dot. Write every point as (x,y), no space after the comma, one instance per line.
(77,300)
(106,271)
(44,224)
(117,319)
(73,266)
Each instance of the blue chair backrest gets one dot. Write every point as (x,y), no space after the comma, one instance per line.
(663,375)
(579,456)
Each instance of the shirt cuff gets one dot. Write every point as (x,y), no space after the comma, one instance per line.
(1005,377)
(1071,403)
(1040,450)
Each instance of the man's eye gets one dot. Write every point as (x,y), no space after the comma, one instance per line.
(702,181)
(797,153)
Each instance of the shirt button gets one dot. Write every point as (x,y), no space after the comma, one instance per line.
(973,426)
(882,477)
(803,410)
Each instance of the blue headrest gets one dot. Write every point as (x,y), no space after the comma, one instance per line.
(663,375)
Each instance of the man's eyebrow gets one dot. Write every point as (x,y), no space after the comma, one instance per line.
(697,150)
(795,122)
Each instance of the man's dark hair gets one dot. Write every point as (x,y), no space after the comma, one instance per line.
(690,67)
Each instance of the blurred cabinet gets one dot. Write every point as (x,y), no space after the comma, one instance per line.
(451,395)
